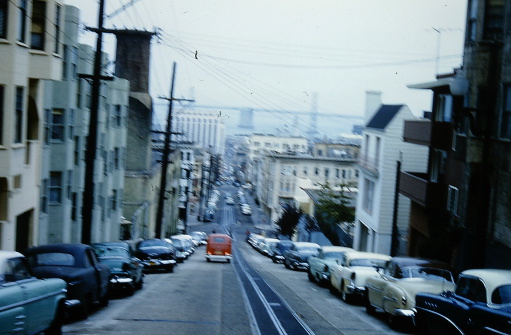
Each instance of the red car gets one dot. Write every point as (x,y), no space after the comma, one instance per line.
(219,248)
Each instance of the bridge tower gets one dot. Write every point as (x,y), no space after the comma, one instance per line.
(246,118)
(313,127)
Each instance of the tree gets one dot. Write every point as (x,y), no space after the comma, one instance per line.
(288,222)
(332,209)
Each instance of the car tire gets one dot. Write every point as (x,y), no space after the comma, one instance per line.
(170,269)
(85,308)
(104,300)
(130,290)
(57,323)
(369,308)
(140,283)
(311,277)
(286,264)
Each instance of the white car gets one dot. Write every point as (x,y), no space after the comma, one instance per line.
(246,211)
(348,276)
(229,201)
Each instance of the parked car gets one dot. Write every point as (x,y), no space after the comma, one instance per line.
(393,290)
(126,270)
(245,210)
(296,257)
(201,236)
(187,240)
(87,278)
(229,201)
(156,254)
(266,246)
(349,275)
(279,249)
(255,239)
(179,246)
(29,305)
(480,304)
(219,248)
(319,266)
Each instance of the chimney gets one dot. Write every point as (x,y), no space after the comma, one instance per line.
(373,103)
(132,58)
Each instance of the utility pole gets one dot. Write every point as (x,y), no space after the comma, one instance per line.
(90,156)
(165,159)
(394,246)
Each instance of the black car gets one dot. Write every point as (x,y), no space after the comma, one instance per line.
(126,270)
(279,249)
(87,278)
(480,304)
(156,254)
(296,257)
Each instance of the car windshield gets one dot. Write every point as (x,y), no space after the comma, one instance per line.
(177,243)
(111,252)
(426,273)
(152,244)
(334,255)
(52,259)
(307,249)
(368,262)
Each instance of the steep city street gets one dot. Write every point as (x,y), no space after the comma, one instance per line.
(251,295)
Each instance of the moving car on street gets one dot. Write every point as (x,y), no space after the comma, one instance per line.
(296,257)
(87,278)
(126,271)
(393,291)
(480,304)
(28,305)
(319,266)
(349,275)
(219,248)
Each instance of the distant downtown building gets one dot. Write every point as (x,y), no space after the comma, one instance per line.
(205,129)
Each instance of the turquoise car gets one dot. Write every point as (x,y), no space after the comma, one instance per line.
(28,305)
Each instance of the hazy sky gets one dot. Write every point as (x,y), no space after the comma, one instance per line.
(276,54)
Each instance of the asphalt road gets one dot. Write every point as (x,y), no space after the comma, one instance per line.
(251,295)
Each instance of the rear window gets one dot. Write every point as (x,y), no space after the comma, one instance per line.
(502,295)
(219,239)
(52,259)
(471,288)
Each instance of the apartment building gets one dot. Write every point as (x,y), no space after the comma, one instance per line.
(461,205)
(257,145)
(31,51)
(282,176)
(66,106)
(381,219)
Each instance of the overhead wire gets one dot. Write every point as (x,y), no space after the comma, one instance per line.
(245,92)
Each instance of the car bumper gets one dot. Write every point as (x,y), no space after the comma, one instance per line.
(158,264)
(355,290)
(121,282)
(408,313)
(300,265)
(227,258)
